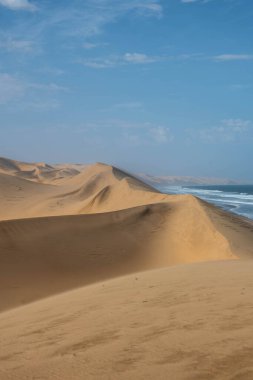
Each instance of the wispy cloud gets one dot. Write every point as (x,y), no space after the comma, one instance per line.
(136,132)
(161,134)
(233,57)
(195,1)
(142,59)
(71,22)
(39,105)
(127,105)
(148,7)
(100,63)
(10,88)
(214,58)
(130,106)
(235,125)
(154,135)
(189,1)
(17,45)
(91,17)
(226,131)
(51,87)
(18,5)
(139,58)
(117,60)
(87,45)
(129,132)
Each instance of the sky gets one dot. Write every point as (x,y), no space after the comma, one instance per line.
(163,87)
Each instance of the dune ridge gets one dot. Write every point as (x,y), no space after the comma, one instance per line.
(94,188)
(75,240)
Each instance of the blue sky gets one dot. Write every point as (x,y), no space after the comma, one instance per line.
(162,87)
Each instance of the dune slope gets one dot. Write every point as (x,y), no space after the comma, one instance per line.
(189,322)
(43,256)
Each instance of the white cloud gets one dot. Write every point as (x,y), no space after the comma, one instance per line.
(89,45)
(148,7)
(147,133)
(73,19)
(100,63)
(89,19)
(161,134)
(195,1)
(139,58)
(51,87)
(39,105)
(18,5)
(143,59)
(233,57)
(153,7)
(10,88)
(12,45)
(133,139)
(236,125)
(116,60)
(227,130)
(134,133)
(215,58)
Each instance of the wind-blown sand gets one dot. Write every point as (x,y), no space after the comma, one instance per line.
(89,286)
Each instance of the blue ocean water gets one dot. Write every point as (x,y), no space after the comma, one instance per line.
(235,198)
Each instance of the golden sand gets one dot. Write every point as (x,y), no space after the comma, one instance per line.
(90,287)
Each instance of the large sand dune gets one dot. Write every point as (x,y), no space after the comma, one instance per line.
(43,256)
(65,227)
(91,189)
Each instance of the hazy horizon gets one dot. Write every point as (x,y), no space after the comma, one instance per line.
(160,87)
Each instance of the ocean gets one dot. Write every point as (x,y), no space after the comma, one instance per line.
(234,198)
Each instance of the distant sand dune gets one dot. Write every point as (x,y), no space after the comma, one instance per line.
(95,188)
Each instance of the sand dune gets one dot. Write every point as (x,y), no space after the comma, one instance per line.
(186,322)
(92,189)
(38,172)
(68,231)
(43,256)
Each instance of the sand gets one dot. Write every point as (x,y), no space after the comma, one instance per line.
(104,277)
(189,322)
